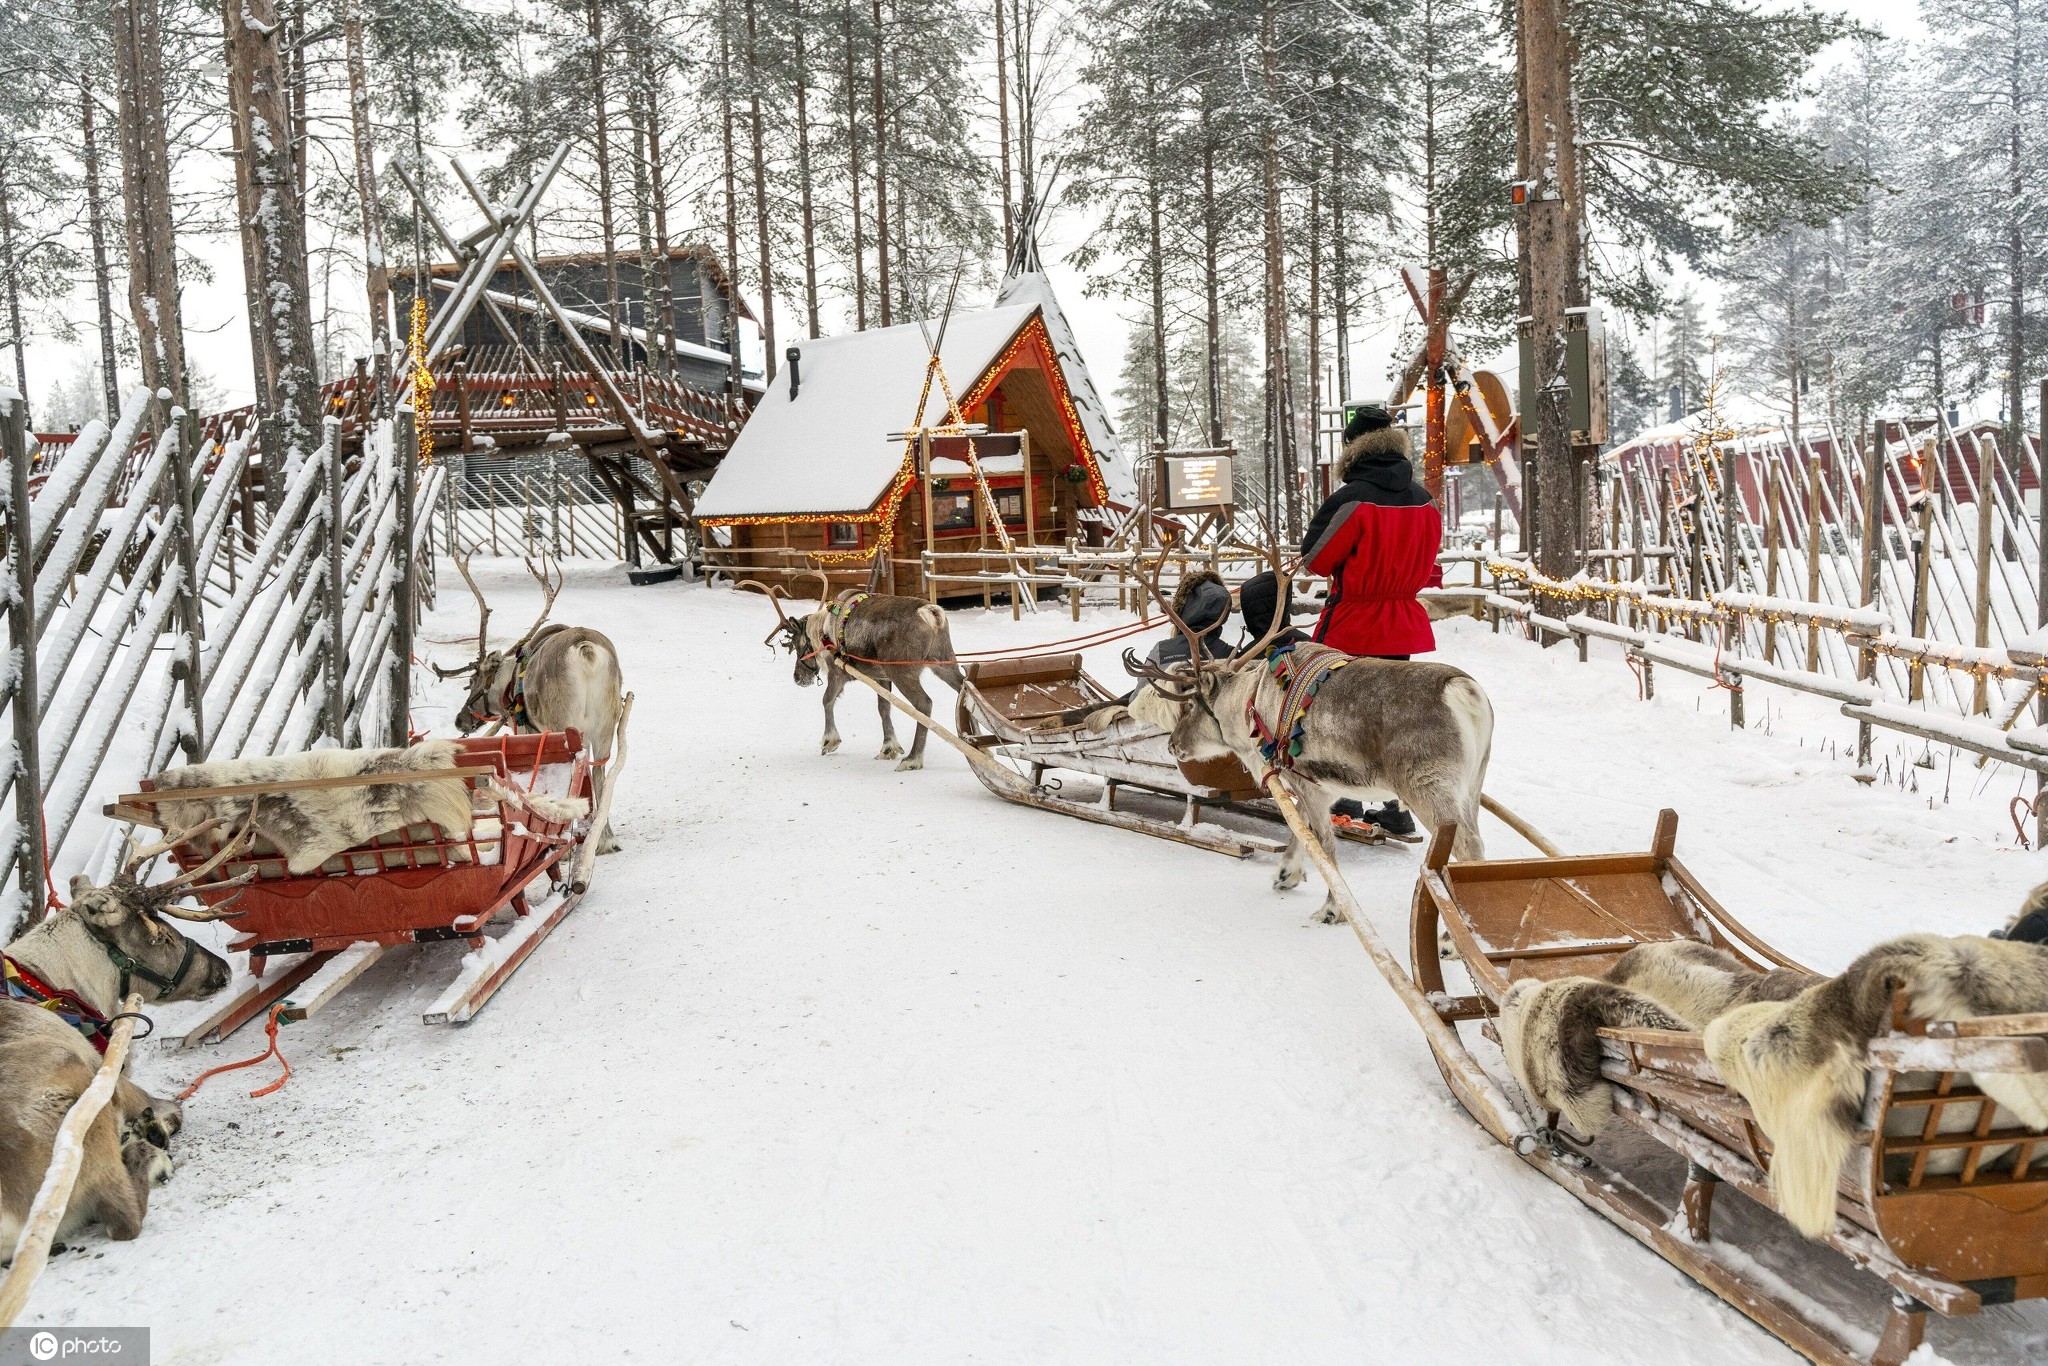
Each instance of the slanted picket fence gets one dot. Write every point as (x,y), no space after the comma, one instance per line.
(157,615)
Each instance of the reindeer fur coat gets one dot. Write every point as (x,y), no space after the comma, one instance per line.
(309,827)
(1792,1045)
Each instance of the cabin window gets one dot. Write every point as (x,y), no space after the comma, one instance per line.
(953,511)
(842,534)
(1010,504)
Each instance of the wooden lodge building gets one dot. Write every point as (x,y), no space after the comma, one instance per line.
(705,303)
(828,471)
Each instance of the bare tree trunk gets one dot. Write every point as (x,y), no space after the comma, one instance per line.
(17,335)
(732,201)
(1212,304)
(1280,446)
(1340,282)
(761,195)
(377,275)
(654,350)
(803,161)
(1155,261)
(1003,132)
(860,267)
(1027,111)
(272,231)
(881,176)
(657,171)
(601,119)
(1315,321)
(1550,169)
(146,196)
(96,225)
(2016,208)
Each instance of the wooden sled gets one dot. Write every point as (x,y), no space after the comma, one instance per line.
(1947,1204)
(1026,709)
(416,885)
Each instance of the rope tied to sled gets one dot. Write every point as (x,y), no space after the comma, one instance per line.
(269,1028)
(1300,670)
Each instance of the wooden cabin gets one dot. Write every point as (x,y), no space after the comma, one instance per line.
(833,468)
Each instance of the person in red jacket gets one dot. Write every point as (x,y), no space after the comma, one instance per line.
(1376,540)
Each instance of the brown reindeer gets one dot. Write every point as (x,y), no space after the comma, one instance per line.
(1377,728)
(553,678)
(889,639)
(85,960)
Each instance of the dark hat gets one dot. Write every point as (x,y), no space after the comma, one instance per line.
(1202,601)
(1256,601)
(1360,418)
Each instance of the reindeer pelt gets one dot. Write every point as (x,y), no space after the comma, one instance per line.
(2030,926)
(1148,708)
(1800,1063)
(308,827)
(1698,982)
(1550,1032)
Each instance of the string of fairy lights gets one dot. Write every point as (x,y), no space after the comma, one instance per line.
(422,382)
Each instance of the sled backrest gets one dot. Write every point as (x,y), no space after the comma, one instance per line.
(1574,916)
(1027,689)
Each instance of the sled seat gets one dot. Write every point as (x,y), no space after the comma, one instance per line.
(1947,1197)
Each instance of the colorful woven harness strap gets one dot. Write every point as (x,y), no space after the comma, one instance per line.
(23,985)
(514,701)
(1300,670)
(836,614)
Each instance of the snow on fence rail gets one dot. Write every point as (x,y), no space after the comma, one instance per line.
(530,504)
(144,625)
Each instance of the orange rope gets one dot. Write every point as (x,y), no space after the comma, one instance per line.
(270,1052)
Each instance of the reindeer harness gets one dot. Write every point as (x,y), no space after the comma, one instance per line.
(837,613)
(23,985)
(1300,671)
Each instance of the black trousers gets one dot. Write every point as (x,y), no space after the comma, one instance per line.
(1346,806)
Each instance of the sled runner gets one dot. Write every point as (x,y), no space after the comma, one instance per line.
(529,799)
(1944,1201)
(1035,710)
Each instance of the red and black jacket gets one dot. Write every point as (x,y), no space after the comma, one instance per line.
(1376,540)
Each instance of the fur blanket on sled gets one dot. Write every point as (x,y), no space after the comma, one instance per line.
(311,826)
(1792,1045)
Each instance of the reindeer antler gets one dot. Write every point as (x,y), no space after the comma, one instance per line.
(137,857)
(1193,638)
(1171,682)
(774,594)
(550,585)
(220,912)
(1283,584)
(483,621)
(824,584)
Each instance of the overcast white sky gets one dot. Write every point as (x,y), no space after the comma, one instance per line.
(219,343)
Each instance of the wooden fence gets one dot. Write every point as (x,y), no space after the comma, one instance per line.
(154,616)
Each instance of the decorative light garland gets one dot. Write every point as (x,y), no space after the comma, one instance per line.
(422,383)
(884,514)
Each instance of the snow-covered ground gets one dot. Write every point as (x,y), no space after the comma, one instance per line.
(842,1064)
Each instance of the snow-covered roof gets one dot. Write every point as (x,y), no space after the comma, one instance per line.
(828,449)
(1032,286)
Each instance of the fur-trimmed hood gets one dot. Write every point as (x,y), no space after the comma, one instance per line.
(1380,457)
(1202,600)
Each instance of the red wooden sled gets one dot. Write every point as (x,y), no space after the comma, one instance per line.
(416,885)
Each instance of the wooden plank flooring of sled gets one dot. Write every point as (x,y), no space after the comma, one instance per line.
(1029,710)
(1946,1203)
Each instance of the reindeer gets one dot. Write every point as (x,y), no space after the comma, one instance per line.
(83,961)
(890,640)
(1378,728)
(553,678)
